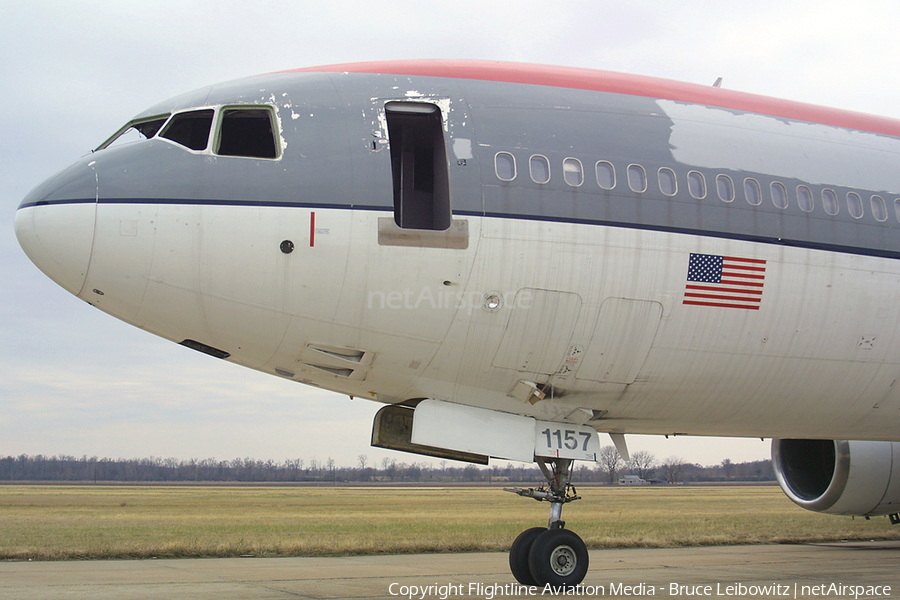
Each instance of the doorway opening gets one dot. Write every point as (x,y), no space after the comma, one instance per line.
(419,166)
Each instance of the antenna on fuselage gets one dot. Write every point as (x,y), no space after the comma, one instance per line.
(718,83)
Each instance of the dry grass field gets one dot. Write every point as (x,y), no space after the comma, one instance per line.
(81,522)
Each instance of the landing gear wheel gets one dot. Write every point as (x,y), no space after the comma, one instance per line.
(558,557)
(518,555)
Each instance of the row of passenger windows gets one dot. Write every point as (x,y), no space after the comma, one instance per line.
(725,187)
(246,131)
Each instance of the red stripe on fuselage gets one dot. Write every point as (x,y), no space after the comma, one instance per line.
(620,83)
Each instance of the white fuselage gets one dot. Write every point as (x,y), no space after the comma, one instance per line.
(594,312)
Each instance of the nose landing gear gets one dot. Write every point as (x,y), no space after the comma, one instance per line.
(552,555)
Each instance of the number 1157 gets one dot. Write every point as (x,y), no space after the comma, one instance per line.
(566,439)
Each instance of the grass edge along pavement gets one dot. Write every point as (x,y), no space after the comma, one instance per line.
(115,522)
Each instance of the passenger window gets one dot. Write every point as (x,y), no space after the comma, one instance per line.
(247,132)
(897,208)
(637,178)
(725,188)
(830,202)
(540,169)
(190,129)
(573,172)
(879,210)
(697,185)
(752,192)
(606,175)
(779,195)
(804,198)
(668,184)
(854,205)
(505,166)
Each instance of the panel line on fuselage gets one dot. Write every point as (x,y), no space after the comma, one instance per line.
(796,243)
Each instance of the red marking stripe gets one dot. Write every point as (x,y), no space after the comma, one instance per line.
(746,268)
(620,83)
(758,261)
(739,282)
(720,290)
(720,305)
(312,229)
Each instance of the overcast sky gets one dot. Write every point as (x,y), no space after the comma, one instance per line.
(76,381)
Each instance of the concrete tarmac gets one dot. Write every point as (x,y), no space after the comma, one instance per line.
(704,572)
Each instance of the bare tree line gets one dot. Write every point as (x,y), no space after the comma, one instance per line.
(608,470)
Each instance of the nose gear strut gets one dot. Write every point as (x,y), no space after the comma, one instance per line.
(558,491)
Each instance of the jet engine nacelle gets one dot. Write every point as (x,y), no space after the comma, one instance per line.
(839,477)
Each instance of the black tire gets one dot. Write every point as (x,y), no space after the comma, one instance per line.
(558,557)
(518,555)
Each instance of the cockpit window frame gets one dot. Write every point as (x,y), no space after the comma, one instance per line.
(163,118)
(195,114)
(221,112)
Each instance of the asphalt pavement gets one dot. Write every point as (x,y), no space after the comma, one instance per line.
(838,570)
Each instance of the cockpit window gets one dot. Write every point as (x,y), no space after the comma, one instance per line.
(190,129)
(247,132)
(149,128)
(136,131)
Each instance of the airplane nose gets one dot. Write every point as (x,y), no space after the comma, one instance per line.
(55,225)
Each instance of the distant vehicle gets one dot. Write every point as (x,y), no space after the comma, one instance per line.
(633,480)
(513,258)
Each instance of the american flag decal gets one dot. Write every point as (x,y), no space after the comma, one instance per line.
(725,281)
